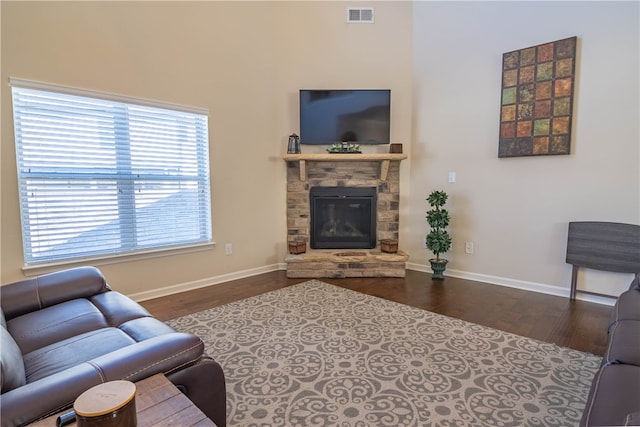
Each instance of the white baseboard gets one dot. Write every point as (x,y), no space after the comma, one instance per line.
(494,280)
(216,280)
(517,284)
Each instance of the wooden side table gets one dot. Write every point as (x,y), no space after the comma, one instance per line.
(158,403)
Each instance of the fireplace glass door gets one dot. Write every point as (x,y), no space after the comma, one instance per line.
(343,217)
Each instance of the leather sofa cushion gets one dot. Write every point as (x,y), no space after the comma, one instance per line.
(12,372)
(626,307)
(118,308)
(613,396)
(56,323)
(624,343)
(73,351)
(145,328)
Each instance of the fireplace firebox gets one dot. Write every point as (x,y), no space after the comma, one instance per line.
(343,217)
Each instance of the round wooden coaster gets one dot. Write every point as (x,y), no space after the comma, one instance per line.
(112,403)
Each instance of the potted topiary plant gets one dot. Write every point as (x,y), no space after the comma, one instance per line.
(438,240)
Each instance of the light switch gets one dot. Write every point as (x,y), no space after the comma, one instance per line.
(452,177)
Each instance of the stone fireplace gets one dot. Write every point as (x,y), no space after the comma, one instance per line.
(377,175)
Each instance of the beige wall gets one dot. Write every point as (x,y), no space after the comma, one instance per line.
(516,210)
(245,62)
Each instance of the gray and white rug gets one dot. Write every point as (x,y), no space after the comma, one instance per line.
(315,354)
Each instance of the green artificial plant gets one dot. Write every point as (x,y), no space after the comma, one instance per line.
(438,240)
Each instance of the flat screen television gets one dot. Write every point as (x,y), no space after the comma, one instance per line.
(358,116)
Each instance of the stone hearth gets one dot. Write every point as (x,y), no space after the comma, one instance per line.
(381,171)
(337,263)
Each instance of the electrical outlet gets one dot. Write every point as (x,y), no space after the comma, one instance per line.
(452,177)
(228,249)
(468,247)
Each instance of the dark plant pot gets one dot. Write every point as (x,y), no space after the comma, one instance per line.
(438,268)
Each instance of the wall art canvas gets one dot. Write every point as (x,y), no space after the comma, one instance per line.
(537,99)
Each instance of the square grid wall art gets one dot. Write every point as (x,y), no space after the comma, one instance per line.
(537,99)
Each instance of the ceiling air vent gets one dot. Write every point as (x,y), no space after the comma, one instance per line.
(360,15)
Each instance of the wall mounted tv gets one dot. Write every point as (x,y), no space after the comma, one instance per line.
(358,116)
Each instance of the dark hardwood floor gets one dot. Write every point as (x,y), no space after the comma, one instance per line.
(576,324)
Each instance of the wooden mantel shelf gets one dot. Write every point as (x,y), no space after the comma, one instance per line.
(383,158)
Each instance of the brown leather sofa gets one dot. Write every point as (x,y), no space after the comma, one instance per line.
(614,398)
(65,332)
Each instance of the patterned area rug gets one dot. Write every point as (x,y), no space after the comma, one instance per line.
(315,354)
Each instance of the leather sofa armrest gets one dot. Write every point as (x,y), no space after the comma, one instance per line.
(49,289)
(46,396)
(165,353)
(162,354)
(204,385)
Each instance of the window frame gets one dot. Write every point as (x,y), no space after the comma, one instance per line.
(139,252)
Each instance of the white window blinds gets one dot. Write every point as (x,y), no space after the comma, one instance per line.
(98,176)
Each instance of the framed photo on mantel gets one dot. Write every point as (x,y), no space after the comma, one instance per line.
(538,83)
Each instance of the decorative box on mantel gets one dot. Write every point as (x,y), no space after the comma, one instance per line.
(380,171)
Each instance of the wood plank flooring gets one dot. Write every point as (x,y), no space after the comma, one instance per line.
(576,324)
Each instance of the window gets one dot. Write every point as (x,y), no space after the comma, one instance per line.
(102,175)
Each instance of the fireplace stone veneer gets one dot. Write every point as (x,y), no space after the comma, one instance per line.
(381,171)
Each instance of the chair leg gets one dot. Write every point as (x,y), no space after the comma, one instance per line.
(574,283)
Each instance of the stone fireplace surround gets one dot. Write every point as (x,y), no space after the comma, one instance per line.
(381,171)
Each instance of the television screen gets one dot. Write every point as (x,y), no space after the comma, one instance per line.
(358,116)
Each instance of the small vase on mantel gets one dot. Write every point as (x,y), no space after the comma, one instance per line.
(293,146)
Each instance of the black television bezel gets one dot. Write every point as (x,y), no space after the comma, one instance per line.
(302,140)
